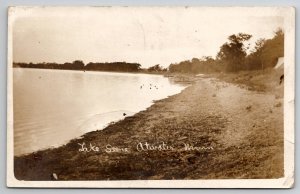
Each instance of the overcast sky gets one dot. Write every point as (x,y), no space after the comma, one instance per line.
(147,36)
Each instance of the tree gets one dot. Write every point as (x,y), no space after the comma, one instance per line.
(77,64)
(254,60)
(155,68)
(233,53)
(272,49)
(266,52)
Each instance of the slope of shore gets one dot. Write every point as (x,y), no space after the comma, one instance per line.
(211,130)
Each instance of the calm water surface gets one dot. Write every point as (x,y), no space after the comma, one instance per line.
(52,107)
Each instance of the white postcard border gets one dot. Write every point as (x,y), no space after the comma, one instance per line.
(289,125)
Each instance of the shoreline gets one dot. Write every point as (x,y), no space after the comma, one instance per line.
(204,115)
(186,83)
(181,85)
(80,70)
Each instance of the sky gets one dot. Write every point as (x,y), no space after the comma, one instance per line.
(146,35)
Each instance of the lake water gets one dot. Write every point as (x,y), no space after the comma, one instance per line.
(52,107)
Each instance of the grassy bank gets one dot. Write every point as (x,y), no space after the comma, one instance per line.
(212,129)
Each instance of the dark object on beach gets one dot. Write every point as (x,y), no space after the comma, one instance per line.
(124,114)
(278,104)
(37,157)
(248,108)
(54,176)
(281,79)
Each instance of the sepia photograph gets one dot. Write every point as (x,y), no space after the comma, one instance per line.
(151,97)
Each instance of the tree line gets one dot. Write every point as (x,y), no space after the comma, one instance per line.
(233,56)
(79,65)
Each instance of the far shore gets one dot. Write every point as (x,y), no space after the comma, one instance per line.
(223,126)
(133,72)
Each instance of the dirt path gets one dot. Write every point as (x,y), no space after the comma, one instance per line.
(210,130)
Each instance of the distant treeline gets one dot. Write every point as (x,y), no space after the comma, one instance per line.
(233,56)
(79,65)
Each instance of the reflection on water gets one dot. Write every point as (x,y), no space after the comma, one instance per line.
(53,106)
(100,121)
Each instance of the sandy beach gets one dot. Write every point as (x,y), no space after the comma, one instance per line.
(220,127)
